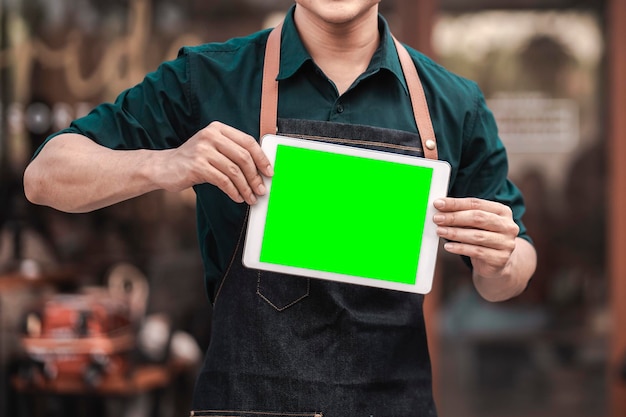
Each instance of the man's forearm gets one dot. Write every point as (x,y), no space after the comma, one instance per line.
(515,276)
(74,174)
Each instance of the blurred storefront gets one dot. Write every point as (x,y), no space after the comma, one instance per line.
(553,74)
(541,71)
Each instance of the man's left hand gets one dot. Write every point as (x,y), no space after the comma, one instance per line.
(480,229)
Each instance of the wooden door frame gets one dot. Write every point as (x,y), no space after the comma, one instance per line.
(616,220)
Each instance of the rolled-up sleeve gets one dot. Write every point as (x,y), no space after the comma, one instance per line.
(157,113)
(483,170)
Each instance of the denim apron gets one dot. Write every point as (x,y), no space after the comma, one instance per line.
(284,345)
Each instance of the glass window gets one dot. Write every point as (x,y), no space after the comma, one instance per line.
(543,353)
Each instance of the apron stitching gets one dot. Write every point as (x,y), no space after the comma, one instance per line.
(258,291)
(259,413)
(358,142)
(232,259)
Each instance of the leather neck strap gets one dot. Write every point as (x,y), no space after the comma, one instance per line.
(269,96)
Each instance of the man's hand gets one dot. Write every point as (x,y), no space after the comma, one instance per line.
(482,230)
(73,173)
(220,155)
(485,232)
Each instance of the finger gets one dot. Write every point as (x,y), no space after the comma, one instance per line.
(479,254)
(477,219)
(224,183)
(253,151)
(237,164)
(477,237)
(242,149)
(228,177)
(450,204)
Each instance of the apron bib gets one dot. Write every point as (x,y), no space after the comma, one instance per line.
(284,345)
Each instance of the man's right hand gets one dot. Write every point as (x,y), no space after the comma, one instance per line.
(72,173)
(220,155)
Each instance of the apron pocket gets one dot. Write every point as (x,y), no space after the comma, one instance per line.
(216,413)
(282,291)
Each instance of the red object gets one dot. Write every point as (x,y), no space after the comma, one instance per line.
(83,338)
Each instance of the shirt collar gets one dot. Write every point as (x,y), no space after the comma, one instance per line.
(293,53)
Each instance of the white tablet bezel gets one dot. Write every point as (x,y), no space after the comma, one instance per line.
(430,240)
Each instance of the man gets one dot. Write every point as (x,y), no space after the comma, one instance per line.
(287,345)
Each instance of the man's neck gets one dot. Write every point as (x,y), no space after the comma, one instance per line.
(343,50)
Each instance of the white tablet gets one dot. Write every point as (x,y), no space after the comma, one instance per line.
(347,214)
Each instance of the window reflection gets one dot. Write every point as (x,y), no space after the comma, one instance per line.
(543,353)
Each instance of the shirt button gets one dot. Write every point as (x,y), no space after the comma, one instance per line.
(339,108)
(430,144)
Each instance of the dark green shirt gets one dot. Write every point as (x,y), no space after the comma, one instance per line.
(222,82)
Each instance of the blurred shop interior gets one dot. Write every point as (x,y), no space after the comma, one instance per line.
(129,277)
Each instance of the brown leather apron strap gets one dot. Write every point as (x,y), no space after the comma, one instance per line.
(269,95)
(418,101)
(269,92)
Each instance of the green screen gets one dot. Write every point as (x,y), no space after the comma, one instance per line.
(346,214)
